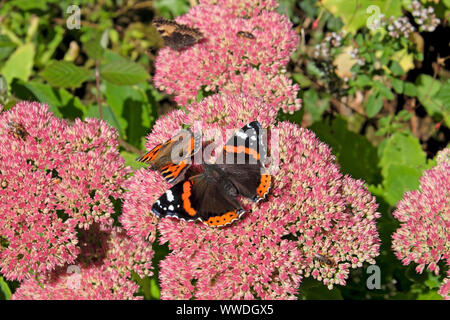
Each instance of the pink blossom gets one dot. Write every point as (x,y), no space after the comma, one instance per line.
(54,178)
(225,61)
(444,291)
(244,8)
(424,215)
(312,209)
(102,272)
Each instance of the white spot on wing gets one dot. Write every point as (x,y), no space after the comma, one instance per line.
(241,135)
(169,196)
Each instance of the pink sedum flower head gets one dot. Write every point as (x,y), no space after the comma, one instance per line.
(226,60)
(244,8)
(54,177)
(102,272)
(312,211)
(213,114)
(424,215)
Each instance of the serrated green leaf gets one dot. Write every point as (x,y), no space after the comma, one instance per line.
(93,49)
(410,89)
(403,149)
(427,89)
(20,63)
(65,74)
(123,72)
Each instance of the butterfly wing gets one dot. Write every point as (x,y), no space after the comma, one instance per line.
(175,35)
(199,198)
(244,154)
(173,157)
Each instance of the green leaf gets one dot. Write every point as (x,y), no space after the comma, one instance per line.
(403,149)
(374,105)
(355,154)
(315,105)
(123,72)
(130,160)
(132,108)
(93,48)
(410,89)
(398,180)
(154,289)
(6,46)
(20,63)
(108,116)
(397,85)
(363,80)
(427,89)
(396,68)
(383,90)
(27,5)
(61,102)
(301,79)
(403,162)
(5,292)
(171,8)
(65,74)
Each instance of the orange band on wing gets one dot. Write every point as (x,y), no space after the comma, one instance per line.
(186,198)
(264,185)
(173,170)
(149,156)
(222,220)
(240,149)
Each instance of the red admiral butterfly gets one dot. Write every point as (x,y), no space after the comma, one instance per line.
(181,147)
(211,196)
(175,35)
